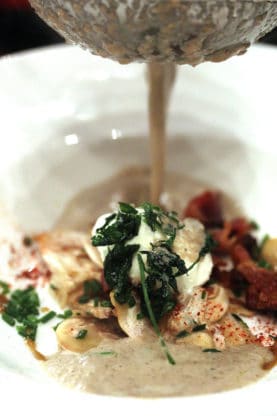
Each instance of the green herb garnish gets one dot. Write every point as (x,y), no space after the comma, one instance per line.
(274,337)
(81,334)
(150,312)
(105,352)
(140,316)
(27,241)
(254,225)
(119,227)
(117,265)
(92,288)
(199,328)
(162,268)
(204,294)
(67,314)
(47,317)
(23,307)
(210,350)
(263,241)
(159,220)
(22,311)
(182,334)
(4,288)
(264,264)
(106,304)
(238,319)
(8,319)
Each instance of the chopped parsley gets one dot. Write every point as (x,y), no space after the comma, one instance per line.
(274,337)
(117,265)
(4,288)
(106,304)
(263,241)
(264,264)
(254,225)
(67,314)
(211,350)
(47,317)
(140,316)
(119,227)
(159,220)
(91,289)
(105,353)
(22,311)
(162,267)
(182,334)
(238,319)
(82,334)
(151,314)
(8,319)
(199,328)
(27,241)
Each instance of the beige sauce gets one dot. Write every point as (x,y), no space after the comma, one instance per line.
(139,368)
(132,185)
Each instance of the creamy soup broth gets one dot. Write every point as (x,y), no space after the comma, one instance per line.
(128,367)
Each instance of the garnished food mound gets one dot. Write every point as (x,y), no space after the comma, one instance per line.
(145,273)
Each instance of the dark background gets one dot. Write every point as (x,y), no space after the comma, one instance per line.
(21,28)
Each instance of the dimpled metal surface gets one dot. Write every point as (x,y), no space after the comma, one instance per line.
(180,31)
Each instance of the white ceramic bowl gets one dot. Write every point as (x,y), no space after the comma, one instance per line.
(70,120)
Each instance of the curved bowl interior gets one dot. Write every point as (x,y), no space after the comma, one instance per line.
(70,120)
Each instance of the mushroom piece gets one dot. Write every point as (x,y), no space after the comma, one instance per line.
(269,251)
(128,319)
(203,306)
(234,331)
(69,335)
(201,339)
(217,303)
(70,266)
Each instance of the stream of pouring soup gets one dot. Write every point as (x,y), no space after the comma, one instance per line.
(161,79)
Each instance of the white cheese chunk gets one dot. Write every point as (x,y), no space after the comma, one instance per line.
(187,244)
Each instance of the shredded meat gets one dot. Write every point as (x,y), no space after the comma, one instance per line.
(236,244)
(233,232)
(206,208)
(231,279)
(261,292)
